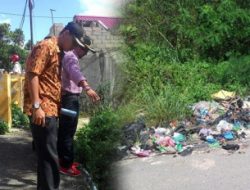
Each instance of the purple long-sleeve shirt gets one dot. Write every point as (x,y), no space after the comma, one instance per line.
(71,73)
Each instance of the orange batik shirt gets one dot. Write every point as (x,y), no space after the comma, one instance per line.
(44,61)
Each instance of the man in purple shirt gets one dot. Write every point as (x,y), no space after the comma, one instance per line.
(73,82)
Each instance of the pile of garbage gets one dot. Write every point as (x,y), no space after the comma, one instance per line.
(216,124)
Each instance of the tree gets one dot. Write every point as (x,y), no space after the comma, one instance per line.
(18,37)
(27,45)
(9,44)
(5,32)
(205,29)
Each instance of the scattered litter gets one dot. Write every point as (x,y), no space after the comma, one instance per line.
(216,144)
(212,125)
(228,135)
(165,141)
(161,131)
(224,126)
(186,151)
(210,139)
(223,95)
(179,148)
(140,152)
(205,132)
(231,147)
(178,137)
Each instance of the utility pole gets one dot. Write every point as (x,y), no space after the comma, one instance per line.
(31,5)
(52,18)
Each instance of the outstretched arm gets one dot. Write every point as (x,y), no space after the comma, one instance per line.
(89,91)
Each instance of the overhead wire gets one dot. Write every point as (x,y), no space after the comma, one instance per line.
(37,16)
(23,16)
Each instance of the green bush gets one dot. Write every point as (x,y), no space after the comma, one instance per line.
(96,143)
(181,52)
(18,117)
(210,30)
(88,107)
(234,74)
(3,127)
(161,107)
(163,88)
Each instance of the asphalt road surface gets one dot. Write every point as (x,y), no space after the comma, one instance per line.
(18,164)
(202,170)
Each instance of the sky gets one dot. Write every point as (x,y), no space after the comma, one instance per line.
(63,8)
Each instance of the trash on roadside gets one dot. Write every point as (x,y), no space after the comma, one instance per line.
(161,131)
(179,148)
(228,135)
(216,144)
(164,149)
(215,123)
(231,147)
(186,151)
(131,133)
(165,141)
(223,95)
(178,137)
(205,132)
(140,152)
(224,126)
(210,139)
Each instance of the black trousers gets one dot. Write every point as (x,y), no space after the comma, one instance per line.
(45,139)
(67,129)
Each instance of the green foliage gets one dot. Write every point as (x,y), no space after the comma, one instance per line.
(17,37)
(162,106)
(212,30)
(234,74)
(96,143)
(10,43)
(129,113)
(163,88)
(89,108)
(27,46)
(18,117)
(180,52)
(3,127)
(4,31)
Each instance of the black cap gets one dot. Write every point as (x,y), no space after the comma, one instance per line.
(78,32)
(86,41)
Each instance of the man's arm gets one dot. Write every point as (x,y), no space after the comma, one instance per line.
(38,115)
(39,56)
(71,66)
(89,91)
(34,87)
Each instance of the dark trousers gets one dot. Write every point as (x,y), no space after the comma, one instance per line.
(45,139)
(67,129)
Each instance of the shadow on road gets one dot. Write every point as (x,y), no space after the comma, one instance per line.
(17,163)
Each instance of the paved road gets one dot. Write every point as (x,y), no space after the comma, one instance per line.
(216,170)
(18,164)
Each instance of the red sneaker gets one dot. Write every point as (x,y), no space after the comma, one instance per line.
(72,171)
(76,164)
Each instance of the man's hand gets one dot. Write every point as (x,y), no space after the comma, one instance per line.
(93,95)
(38,117)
